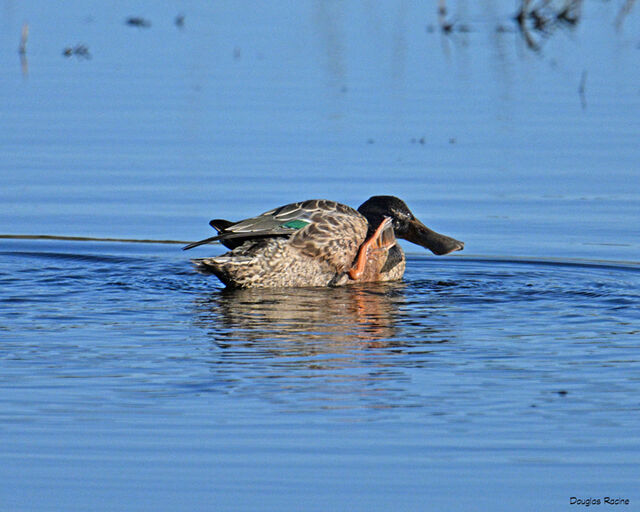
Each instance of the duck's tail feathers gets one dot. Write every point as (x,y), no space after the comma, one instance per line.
(201,242)
(219,225)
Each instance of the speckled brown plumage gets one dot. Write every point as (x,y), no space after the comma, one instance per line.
(318,254)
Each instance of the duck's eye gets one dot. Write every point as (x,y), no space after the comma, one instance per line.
(403,216)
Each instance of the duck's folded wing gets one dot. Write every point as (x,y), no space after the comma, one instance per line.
(282,221)
(279,221)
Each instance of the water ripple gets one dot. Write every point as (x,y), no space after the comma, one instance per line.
(453,333)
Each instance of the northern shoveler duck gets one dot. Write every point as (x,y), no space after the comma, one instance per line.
(319,243)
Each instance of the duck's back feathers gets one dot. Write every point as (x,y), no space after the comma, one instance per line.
(281,222)
(334,233)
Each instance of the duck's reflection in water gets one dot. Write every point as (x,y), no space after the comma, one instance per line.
(336,318)
(325,320)
(344,348)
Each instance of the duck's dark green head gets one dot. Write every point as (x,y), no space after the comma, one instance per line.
(405,224)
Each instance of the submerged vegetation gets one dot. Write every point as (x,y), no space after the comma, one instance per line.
(535,19)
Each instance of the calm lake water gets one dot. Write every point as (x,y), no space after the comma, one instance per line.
(505,377)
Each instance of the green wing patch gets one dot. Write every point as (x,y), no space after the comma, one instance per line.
(295,224)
